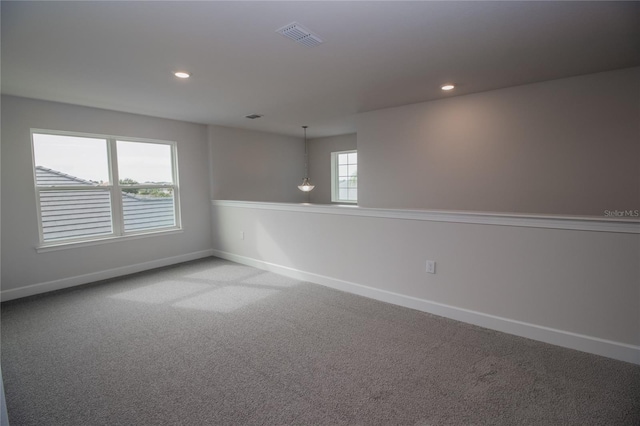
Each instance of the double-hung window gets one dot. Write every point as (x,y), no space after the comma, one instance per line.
(91,187)
(344,177)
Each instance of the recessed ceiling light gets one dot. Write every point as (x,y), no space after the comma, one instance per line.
(182,74)
(447,87)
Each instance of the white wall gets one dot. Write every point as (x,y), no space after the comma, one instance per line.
(320,150)
(22,266)
(569,146)
(576,288)
(255,166)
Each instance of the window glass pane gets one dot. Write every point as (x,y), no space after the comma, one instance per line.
(148,208)
(140,162)
(344,178)
(70,160)
(74,214)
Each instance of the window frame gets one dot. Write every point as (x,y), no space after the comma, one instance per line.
(335,180)
(114,188)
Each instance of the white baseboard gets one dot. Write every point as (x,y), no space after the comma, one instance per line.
(590,344)
(34,289)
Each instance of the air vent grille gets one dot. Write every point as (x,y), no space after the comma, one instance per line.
(299,34)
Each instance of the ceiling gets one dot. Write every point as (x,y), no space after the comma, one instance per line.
(121,55)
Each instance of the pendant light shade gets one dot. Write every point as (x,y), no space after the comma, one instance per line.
(306,185)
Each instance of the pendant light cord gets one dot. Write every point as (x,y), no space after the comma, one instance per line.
(306,163)
(306,185)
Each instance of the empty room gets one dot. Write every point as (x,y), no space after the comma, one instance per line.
(320,213)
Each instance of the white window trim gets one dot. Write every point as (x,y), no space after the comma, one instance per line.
(334,177)
(115,189)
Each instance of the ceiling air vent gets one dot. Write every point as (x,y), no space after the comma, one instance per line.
(253,116)
(300,34)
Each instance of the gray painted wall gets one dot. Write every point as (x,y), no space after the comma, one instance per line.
(255,166)
(583,282)
(320,150)
(21,264)
(4,415)
(569,146)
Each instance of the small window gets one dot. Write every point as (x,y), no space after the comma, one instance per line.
(90,187)
(344,177)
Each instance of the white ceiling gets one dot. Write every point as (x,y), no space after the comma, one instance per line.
(121,55)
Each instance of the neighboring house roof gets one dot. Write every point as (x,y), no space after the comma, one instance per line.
(46,177)
(73,214)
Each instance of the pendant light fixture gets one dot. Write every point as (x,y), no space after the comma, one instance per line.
(306,185)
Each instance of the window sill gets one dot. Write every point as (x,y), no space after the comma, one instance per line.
(47,247)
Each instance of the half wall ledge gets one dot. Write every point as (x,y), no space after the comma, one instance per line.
(578,223)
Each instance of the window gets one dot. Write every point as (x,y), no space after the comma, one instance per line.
(344,177)
(90,187)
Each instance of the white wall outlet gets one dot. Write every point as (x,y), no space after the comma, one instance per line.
(242,235)
(431,266)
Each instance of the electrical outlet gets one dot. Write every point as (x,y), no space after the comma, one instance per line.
(242,235)
(431,266)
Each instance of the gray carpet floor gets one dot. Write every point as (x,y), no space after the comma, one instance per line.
(212,342)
